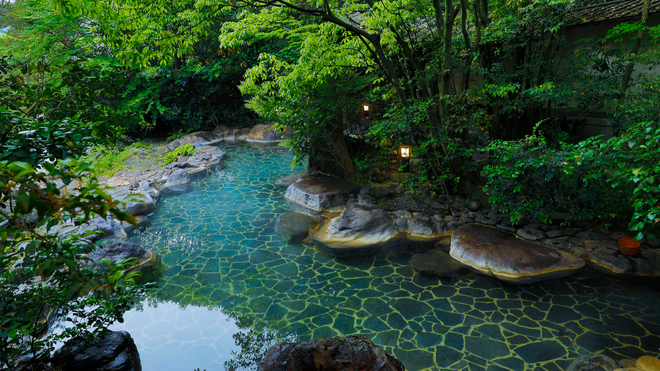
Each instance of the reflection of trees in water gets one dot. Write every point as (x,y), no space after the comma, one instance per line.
(254,339)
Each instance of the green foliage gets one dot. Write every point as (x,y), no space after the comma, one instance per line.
(34,142)
(185,150)
(44,276)
(593,180)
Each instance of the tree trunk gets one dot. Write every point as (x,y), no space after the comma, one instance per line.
(334,158)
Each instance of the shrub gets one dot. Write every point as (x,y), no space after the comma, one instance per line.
(595,179)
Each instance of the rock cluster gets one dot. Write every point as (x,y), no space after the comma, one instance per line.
(533,251)
(364,229)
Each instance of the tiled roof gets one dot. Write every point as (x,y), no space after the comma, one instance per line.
(610,11)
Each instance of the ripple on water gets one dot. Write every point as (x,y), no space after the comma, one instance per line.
(226,273)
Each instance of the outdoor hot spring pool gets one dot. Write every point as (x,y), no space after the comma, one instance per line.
(228,279)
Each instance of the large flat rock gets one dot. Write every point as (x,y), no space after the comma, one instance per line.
(502,255)
(317,193)
(360,229)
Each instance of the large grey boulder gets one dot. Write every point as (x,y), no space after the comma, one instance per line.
(201,138)
(96,229)
(318,193)
(352,353)
(504,256)
(424,231)
(115,352)
(264,133)
(360,229)
(177,183)
(113,250)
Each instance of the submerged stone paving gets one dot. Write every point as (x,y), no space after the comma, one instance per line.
(220,250)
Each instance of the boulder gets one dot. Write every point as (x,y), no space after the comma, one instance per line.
(203,138)
(147,261)
(177,183)
(648,363)
(593,362)
(502,255)
(264,133)
(426,228)
(605,257)
(290,179)
(101,228)
(294,227)
(352,353)
(424,231)
(360,229)
(318,193)
(138,202)
(109,229)
(115,352)
(437,263)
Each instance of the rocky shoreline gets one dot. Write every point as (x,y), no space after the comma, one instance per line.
(382,214)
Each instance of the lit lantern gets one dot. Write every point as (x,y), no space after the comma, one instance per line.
(366,108)
(404,151)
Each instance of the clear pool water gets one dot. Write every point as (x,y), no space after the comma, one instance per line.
(227,276)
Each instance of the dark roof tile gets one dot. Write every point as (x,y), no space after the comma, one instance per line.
(610,11)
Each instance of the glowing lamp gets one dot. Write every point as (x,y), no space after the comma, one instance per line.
(404,151)
(366,108)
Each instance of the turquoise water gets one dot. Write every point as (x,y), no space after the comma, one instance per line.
(229,279)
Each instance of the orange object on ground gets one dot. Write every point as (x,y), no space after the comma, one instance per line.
(629,246)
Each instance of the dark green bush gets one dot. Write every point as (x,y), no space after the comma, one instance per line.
(593,180)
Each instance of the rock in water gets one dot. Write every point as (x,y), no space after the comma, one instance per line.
(648,363)
(294,227)
(314,194)
(435,262)
(115,352)
(264,133)
(424,231)
(360,229)
(113,250)
(605,257)
(499,254)
(593,362)
(352,353)
(178,182)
